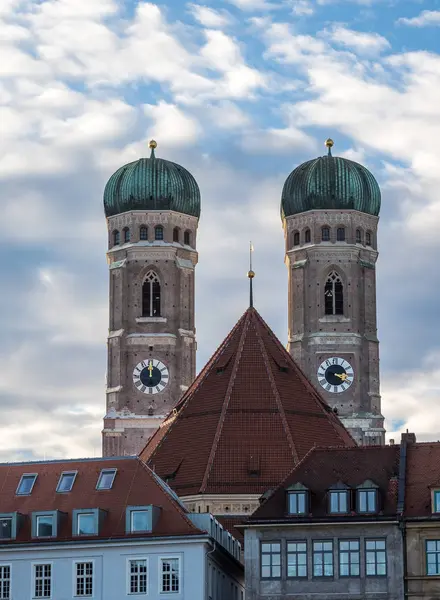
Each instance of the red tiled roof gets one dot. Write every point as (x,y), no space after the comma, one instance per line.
(422,474)
(134,485)
(323,468)
(247,419)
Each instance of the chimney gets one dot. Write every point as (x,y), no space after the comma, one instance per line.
(391,442)
(408,438)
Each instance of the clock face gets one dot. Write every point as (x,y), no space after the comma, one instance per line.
(335,374)
(150,376)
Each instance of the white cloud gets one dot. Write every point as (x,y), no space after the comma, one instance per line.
(272,140)
(170,123)
(251,5)
(302,8)
(424,19)
(361,42)
(209,17)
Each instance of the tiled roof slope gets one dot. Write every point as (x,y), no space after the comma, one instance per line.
(134,485)
(323,468)
(422,474)
(247,419)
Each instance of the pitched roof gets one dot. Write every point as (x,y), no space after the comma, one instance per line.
(134,485)
(324,468)
(247,419)
(422,475)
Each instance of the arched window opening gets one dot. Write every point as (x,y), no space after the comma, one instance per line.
(151,295)
(187,238)
(176,234)
(296,238)
(116,238)
(307,236)
(158,232)
(340,234)
(358,236)
(368,238)
(334,295)
(325,236)
(126,234)
(143,233)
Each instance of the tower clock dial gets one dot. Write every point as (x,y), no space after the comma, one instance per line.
(335,374)
(150,376)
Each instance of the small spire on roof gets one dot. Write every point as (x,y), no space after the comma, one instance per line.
(251,275)
(152,145)
(329,143)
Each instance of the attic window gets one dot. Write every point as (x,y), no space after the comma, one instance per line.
(26,484)
(338,502)
(436,501)
(67,479)
(367,501)
(297,503)
(106,478)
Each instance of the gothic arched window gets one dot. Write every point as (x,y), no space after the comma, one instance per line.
(143,232)
(340,234)
(158,232)
(116,238)
(176,234)
(187,238)
(368,238)
(126,234)
(307,236)
(151,295)
(334,295)
(358,236)
(325,235)
(296,238)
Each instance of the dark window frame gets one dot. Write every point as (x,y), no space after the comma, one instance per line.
(436,554)
(323,552)
(151,295)
(296,494)
(127,234)
(325,234)
(334,294)
(296,238)
(340,494)
(296,553)
(367,492)
(307,236)
(375,552)
(340,234)
(143,233)
(116,237)
(358,238)
(436,501)
(158,233)
(176,234)
(368,238)
(350,552)
(271,553)
(187,238)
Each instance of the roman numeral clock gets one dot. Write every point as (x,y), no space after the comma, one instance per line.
(335,375)
(150,376)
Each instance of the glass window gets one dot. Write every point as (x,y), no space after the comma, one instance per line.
(143,233)
(151,295)
(325,234)
(436,507)
(5,529)
(106,478)
(65,483)
(26,484)
(5,582)
(358,236)
(323,559)
(170,571)
(340,234)
(375,557)
(334,295)
(139,521)
(84,579)
(138,576)
(86,524)
(176,234)
(271,560)
(368,238)
(187,238)
(433,557)
(307,236)
(349,558)
(339,502)
(296,559)
(158,232)
(367,501)
(116,238)
(42,581)
(126,235)
(297,503)
(296,238)
(44,526)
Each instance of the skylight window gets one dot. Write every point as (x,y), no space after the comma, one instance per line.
(66,481)
(106,478)
(26,484)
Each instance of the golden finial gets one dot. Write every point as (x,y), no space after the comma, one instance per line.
(251,274)
(329,143)
(152,144)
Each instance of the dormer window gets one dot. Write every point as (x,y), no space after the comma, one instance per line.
(66,481)
(367,501)
(26,484)
(436,501)
(297,499)
(338,502)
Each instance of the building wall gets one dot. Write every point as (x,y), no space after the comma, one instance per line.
(420,586)
(359,588)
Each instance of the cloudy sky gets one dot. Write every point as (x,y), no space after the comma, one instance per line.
(239,92)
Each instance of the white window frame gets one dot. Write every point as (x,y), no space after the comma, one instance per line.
(9,597)
(54,528)
(132,513)
(99,479)
(74,576)
(35,564)
(128,571)
(74,473)
(78,518)
(160,580)
(34,475)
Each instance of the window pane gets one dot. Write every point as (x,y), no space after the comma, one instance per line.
(106,478)
(86,524)
(276,547)
(26,484)
(431,546)
(265,559)
(139,520)
(5,528)
(44,526)
(276,571)
(265,547)
(66,482)
(265,571)
(344,570)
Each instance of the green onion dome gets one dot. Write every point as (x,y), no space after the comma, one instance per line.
(152,184)
(330,183)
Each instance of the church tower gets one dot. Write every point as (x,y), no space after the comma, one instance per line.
(330,207)
(152,208)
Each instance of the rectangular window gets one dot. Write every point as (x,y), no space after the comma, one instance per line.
(367,501)
(42,581)
(271,560)
(66,481)
(170,570)
(375,558)
(296,559)
(349,558)
(86,524)
(138,576)
(5,528)
(297,503)
(339,502)
(139,521)
(323,559)
(44,526)
(5,582)
(433,557)
(106,478)
(26,484)
(84,579)
(436,501)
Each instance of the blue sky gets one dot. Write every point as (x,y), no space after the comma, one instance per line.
(239,92)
